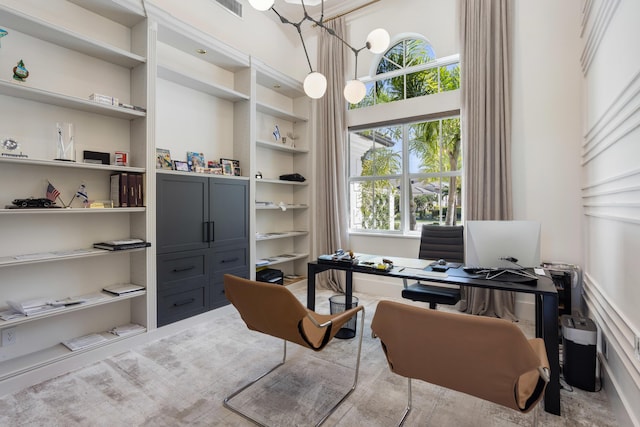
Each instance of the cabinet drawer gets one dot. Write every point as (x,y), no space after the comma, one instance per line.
(231,258)
(180,305)
(181,266)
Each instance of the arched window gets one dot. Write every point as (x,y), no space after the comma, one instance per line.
(409,69)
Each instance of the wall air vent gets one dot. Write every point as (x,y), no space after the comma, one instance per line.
(233,6)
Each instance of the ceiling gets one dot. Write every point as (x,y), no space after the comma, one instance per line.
(293,12)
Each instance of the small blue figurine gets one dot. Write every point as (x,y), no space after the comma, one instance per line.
(3,33)
(20,73)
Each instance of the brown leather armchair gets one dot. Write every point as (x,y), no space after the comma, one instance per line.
(485,357)
(274,310)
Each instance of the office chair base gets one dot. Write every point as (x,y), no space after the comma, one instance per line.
(228,405)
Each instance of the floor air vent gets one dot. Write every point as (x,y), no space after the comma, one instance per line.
(233,6)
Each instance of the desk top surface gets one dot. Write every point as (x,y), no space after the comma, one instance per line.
(414,269)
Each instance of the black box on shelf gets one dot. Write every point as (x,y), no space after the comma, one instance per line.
(270,275)
(95,157)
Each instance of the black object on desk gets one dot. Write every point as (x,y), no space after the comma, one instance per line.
(544,291)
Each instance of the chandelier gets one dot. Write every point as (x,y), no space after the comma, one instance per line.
(315,84)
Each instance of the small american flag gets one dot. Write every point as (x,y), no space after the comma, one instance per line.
(52,192)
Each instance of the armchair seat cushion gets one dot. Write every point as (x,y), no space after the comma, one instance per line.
(431,294)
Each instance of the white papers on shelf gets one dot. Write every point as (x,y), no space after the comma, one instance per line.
(55,254)
(10,314)
(128,329)
(262,262)
(84,341)
(32,306)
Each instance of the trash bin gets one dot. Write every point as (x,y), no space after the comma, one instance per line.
(579,351)
(337,304)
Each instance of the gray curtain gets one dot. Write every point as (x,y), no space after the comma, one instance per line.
(331,199)
(485,54)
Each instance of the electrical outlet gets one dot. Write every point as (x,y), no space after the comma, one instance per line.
(8,336)
(636,346)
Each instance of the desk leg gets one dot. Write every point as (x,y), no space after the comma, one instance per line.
(348,293)
(311,286)
(550,320)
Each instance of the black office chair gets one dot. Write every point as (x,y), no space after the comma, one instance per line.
(438,242)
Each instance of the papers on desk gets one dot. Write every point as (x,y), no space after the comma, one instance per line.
(417,272)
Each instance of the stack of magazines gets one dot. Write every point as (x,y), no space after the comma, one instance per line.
(118,245)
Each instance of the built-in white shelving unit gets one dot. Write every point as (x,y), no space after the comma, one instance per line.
(67,64)
(281,206)
(191,93)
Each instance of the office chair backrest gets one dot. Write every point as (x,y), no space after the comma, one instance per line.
(485,357)
(442,242)
(274,310)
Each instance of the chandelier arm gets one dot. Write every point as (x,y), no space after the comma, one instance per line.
(304,46)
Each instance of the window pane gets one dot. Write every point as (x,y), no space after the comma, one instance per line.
(424,141)
(376,152)
(425,203)
(422,83)
(375,205)
(451,145)
(450,77)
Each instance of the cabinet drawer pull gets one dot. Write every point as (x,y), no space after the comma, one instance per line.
(230,260)
(179,270)
(183,302)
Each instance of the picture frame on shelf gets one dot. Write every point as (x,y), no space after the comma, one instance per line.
(237,171)
(179,165)
(227,166)
(163,159)
(195,160)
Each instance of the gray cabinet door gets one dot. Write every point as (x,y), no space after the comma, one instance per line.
(182,213)
(229,211)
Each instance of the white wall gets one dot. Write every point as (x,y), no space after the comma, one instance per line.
(546,127)
(610,196)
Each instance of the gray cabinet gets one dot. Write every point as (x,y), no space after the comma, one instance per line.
(202,233)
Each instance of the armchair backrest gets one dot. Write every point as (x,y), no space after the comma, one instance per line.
(442,242)
(485,357)
(273,310)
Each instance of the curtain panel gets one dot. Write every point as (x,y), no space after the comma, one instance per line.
(485,56)
(332,227)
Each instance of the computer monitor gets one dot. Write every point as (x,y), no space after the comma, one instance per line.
(489,244)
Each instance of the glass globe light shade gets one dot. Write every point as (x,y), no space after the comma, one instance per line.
(261,5)
(378,40)
(355,91)
(315,85)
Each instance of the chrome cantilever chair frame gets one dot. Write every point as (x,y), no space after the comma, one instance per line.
(327,324)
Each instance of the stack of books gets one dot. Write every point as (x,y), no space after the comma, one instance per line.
(127,190)
(119,245)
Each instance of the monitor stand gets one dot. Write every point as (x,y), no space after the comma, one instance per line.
(493,273)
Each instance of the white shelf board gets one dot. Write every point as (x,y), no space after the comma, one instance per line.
(120,11)
(61,36)
(279,235)
(9,261)
(281,147)
(279,181)
(19,90)
(67,211)
(77,165)
(178,77)
(108,299)
(279,113)
(281,260)
(276,207)
(31,361)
